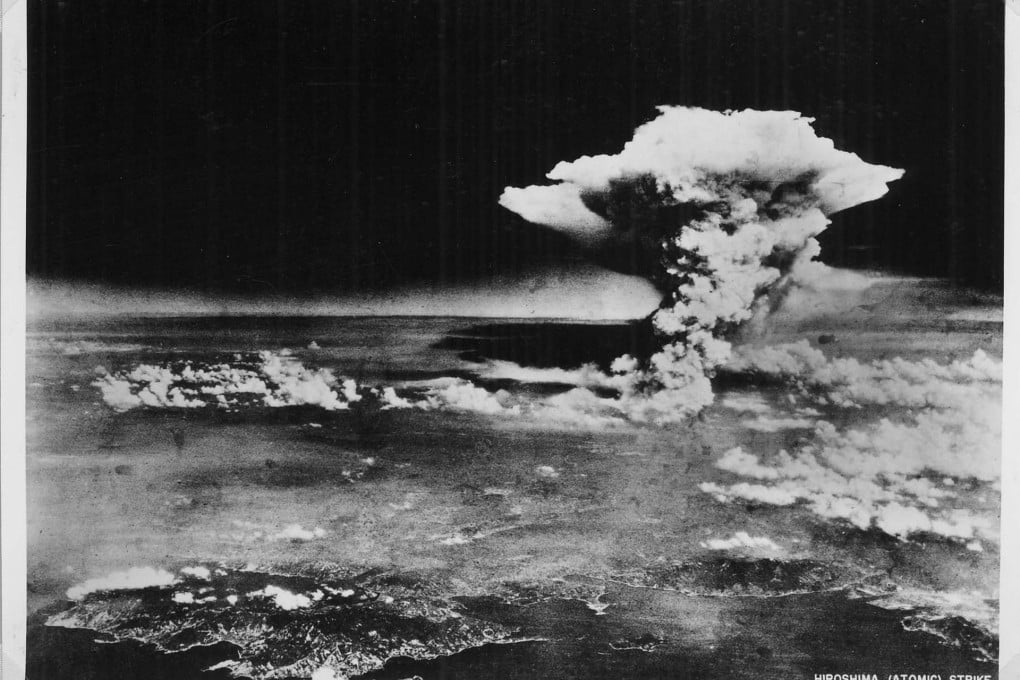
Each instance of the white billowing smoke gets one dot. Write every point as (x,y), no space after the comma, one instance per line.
(931,466)
(276,379)
(733,200)
(845,381)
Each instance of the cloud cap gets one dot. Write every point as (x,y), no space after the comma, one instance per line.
(688,150)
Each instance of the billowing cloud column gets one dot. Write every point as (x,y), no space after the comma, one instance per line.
(733,200)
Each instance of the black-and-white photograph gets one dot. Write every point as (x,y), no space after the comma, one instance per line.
(514,339)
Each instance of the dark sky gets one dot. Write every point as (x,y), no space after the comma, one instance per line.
(344,144)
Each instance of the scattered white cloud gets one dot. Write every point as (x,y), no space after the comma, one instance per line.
(547,472)
(742,542)
(198,572)
(887,475)
(745,464)
(134,578)
(457,394)
(390,399)
(284,599)
(898,474)
(845,381)
(250,532)
(295,532)
(274,379)
(755,493)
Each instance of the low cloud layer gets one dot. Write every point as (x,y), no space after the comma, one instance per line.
(743,543)
(567,290)
(912,472)
(136,577)
(272,379)
(845,381)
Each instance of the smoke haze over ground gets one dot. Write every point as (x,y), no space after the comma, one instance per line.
(576,291)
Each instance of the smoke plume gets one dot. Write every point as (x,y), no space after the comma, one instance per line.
(726,207)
